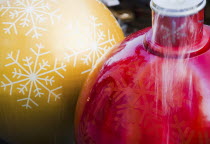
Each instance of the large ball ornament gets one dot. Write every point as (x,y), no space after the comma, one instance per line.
(139,95)
(47,49)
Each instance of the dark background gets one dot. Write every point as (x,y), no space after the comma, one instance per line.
(134,15)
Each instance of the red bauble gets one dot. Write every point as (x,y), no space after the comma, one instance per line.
(149,92)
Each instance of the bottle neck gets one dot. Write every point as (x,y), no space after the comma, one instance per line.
(177,32)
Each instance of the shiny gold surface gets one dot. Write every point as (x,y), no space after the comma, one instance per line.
(47,49)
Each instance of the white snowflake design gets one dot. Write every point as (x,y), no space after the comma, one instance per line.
(34,77)
(28,13)
(100,45)
(175,31)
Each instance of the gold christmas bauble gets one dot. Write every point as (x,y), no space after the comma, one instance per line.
(47,49)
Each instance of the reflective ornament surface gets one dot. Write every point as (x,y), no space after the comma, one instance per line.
(47,49)
(154,88)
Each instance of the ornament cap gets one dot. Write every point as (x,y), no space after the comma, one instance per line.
(177,7)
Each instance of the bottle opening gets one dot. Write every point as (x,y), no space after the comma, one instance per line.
(177,8)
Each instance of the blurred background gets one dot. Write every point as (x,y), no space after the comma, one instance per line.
(134,15)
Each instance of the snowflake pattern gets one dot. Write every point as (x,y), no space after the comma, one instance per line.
(175,31)
(137,109)
(181,131)
(28,13)
(34,77)
(99,46)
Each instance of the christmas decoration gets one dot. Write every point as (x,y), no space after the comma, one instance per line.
(154,87)
(48,47)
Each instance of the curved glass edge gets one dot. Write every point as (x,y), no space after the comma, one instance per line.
(177,12)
